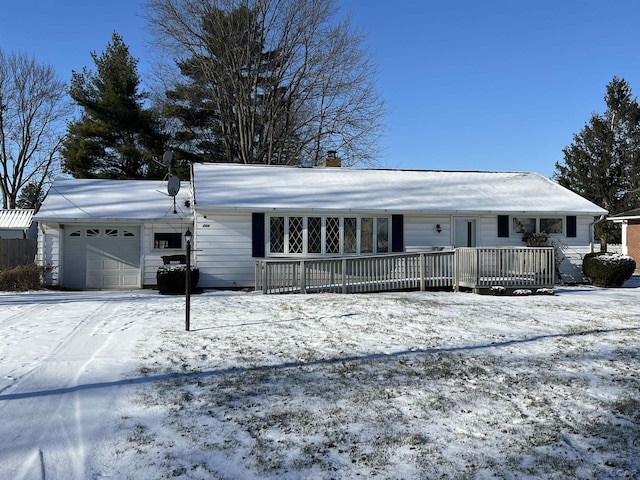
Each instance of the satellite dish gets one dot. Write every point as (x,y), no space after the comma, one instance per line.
(173,185)
(166,159)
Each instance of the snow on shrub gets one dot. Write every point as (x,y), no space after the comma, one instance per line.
(608,269)
(545,291)
(522,291)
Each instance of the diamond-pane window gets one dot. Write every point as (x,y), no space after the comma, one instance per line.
(333,235)
(295,235)
(314,235)
(350,235)
(276,235)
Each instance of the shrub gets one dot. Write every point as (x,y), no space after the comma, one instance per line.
(608,269)
(21,278)
(171,279)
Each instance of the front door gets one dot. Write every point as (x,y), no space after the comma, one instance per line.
(464,232)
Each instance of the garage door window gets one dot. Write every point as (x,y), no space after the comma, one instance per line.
(102,232)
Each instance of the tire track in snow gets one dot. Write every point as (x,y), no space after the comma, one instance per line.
(55,446)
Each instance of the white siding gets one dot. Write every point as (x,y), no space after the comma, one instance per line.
(420,231)
(152,258)
(49,252)
(223,250)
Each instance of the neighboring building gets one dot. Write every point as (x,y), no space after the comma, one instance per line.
(243,212)
(17,224)
(630,222)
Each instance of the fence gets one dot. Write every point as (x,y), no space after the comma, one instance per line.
(17,251)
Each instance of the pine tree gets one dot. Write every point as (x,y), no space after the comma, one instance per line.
(115,136)
(268,81)
(31,196)
(602,162)
(230,104)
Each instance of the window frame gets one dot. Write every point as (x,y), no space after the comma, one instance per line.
(174,235)
(519,228)
(555,220)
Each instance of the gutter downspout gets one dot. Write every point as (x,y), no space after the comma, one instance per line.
(592,231)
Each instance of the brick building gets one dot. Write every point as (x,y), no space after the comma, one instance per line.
(630,233)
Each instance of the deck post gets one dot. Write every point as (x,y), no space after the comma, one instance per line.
(303,279)
(344,275)
(422,271)
(264,266)
(456,287)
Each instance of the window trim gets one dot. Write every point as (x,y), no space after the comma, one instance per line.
(538,220)
(177,235)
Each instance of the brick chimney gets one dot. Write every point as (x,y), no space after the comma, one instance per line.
(331,160)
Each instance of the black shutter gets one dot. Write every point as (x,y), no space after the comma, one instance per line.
(397,233)
(257,235)
(572,226)
(503,225)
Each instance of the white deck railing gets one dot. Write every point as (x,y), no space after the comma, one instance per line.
(403,271)
(526,267)
(474,268)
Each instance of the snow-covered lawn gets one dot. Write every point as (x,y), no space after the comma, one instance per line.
(97,385)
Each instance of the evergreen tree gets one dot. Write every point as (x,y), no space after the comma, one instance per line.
(230,104)
(115,136)
(267,81)
(602,162)
(31,196)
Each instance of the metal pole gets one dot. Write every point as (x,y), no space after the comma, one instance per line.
(187,289)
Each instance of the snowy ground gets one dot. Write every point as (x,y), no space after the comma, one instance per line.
(97,385)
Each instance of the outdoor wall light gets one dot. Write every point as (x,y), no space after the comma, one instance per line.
(438,228)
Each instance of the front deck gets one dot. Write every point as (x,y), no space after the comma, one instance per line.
(473,268)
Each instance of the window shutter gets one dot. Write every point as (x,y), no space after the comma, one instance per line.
(572,226)
(257,235)
(503,225)
(397,233)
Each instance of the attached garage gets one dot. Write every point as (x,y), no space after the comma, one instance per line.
(97,234)
(101,257)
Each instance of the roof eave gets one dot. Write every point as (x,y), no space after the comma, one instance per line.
(393,211)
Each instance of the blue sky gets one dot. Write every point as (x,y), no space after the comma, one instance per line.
(469,85)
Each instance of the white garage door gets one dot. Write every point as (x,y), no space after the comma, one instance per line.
(101,257)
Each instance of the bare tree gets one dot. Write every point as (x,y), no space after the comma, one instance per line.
(33,106)
(285,81)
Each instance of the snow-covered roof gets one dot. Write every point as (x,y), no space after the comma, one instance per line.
(256,187)
(107,200)
(16,219)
